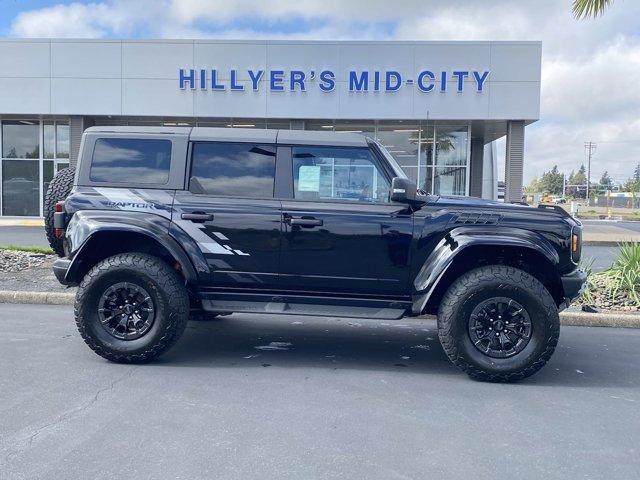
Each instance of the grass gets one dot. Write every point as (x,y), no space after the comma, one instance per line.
(27,248)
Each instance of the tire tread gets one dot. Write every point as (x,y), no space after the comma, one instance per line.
(460,289)
(168,282)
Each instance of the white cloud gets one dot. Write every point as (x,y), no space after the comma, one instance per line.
(589,67)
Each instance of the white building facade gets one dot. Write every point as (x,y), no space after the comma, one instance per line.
(434,105)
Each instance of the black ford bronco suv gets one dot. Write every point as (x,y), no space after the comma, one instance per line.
(164,223)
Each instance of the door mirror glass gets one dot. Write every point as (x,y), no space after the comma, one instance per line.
(403,190)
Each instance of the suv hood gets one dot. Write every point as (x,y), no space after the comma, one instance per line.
(477,203)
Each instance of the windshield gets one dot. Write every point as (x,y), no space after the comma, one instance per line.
(396,167)
(392,161)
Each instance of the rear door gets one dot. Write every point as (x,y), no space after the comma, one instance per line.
(230,211)
(341,232)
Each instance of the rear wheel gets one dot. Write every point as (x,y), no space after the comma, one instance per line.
(131,308)
(498,324)
(59,189)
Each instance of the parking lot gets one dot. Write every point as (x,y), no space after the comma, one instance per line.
(251,396)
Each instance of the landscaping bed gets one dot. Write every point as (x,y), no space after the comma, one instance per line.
(29,271)
(616,289)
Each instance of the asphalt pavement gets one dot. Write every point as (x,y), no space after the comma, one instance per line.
(251,396)
(23,236)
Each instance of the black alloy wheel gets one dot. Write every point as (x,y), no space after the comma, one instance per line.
(126,311)
(500,327)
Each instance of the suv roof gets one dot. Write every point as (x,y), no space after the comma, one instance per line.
(202,134)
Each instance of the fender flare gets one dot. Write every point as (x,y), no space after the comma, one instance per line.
(85,225)
(458,240)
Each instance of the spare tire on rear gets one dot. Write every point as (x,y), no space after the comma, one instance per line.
(58,190)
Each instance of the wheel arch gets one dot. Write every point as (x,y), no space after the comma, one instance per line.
(457,254)
(101,240)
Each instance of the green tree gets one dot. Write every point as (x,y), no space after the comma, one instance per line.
(605,181)
(580,178)
(590,8)
(552,181)
(535,186)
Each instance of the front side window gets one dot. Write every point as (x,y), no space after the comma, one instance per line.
(131,160)
(233,169)
(335,173)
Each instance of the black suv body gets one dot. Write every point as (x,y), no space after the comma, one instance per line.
(310,223)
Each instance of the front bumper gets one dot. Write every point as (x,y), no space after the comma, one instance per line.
(60,269)
(573,284)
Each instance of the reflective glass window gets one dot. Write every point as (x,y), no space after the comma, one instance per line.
(401,140)
(450,180)
(20,187)
(47,176)
(62,140)
(347,174)
(20,139)
(49,141)
(451,145)
(233,169)
(131,160)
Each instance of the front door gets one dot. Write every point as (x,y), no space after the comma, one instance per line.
(341,233)
(229,210)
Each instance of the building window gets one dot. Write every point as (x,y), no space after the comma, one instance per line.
(55,142)
(444,159)
(233,169)
(401,140)
(20,139)
(20,187)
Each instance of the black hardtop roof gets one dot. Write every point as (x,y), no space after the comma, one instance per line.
(253,135)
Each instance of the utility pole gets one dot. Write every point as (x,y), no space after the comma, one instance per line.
(590,147)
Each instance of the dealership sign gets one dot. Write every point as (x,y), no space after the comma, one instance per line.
(325,80)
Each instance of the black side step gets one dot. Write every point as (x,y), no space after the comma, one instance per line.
(304,305)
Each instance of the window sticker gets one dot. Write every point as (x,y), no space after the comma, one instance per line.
(309,178)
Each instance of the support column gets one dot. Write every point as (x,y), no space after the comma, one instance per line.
(514,161)
(476,167)
(77,125)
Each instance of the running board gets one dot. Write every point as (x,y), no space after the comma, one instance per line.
(304,305)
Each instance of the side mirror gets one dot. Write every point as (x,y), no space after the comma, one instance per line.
(403,190)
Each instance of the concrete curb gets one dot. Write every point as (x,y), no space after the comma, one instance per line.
(584,319)
(48,298)
(21,222)
(576,319)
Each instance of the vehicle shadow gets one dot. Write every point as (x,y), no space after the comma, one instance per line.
(409,345)
(312,342)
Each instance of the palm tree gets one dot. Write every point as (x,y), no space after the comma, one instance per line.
(589,8)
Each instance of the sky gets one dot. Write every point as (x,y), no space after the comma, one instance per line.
(590,68)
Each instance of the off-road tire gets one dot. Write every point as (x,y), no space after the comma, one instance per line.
(487,282)
(169,296)
(58,190)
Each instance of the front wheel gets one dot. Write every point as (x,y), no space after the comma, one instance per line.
(131,308)
(498,323)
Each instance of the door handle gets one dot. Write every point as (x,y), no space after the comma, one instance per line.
(304,221)
(197,217)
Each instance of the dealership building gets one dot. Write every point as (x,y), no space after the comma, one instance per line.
(436,106)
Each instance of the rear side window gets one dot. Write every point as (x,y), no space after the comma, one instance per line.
(233,169)
(131,160)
